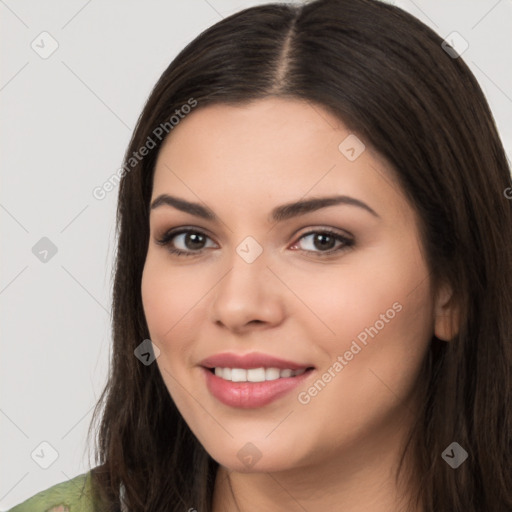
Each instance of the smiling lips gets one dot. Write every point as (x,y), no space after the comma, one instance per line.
(251,380)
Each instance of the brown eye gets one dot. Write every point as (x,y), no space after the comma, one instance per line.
(323,242)
(194,241)
(186,242)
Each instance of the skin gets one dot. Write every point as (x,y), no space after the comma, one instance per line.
(339,450)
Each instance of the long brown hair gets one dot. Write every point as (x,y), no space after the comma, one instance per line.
(387,77)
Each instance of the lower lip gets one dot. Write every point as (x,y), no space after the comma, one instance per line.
(249,395)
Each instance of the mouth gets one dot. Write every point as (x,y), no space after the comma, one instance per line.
(244,394)
(252,380)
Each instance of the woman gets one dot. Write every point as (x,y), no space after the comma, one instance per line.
(315,235)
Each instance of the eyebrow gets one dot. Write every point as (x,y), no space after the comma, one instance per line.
(278,214)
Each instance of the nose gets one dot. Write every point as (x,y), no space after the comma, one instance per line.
(249,296)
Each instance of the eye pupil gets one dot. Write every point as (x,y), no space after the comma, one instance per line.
(195,238)
(321,239)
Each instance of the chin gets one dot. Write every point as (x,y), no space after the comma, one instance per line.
(257,456)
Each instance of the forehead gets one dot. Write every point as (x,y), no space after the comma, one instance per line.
(269,148)
(270,129)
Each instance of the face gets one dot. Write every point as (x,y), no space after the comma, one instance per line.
(333,298)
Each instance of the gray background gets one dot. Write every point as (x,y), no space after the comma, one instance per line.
(66,122)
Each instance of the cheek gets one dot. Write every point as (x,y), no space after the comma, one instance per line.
(167,296)
(349,301)
(175,302)
(382,330)
(172,306)
(158,300)
(377,313)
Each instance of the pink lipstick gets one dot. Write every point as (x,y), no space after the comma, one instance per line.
(252,380)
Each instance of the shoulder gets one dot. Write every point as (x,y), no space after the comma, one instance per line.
(73,495)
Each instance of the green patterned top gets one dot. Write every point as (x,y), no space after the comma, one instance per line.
(71,496)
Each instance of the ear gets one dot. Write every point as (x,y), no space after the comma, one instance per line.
(446,314)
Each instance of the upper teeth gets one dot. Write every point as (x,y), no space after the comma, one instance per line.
(255,374)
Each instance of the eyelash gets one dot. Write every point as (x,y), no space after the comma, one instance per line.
(167,237)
